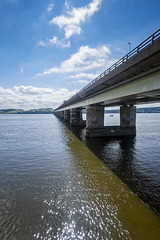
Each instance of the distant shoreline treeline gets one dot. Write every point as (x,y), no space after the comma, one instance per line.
(51,110)
(138,110)
(31,111)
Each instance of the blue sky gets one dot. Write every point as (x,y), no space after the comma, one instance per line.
(50,49)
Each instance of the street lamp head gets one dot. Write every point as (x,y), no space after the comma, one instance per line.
(129,46)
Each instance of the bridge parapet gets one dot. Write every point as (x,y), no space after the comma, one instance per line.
(150,40)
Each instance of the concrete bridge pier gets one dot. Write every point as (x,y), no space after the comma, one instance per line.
(57,114)
(94,117)
(127,116)
(128,119)
(67,116)
(76,117)
(95,122)
(61,115)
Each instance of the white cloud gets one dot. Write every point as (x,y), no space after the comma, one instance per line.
(54,41)
(84,75)
(61,43)
(50,7)
(86,59)
(81,81)
(72,21)
(27,97)
(42,43)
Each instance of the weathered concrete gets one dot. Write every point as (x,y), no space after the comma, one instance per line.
(76,118)
(67,115)
(127,116)
(94,117)
(61,115)
(95,122)
(134,79)
(111,131)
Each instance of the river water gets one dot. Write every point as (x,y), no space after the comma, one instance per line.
(55,186)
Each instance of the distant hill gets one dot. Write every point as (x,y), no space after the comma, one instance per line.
(31,111)
(148,110)
(139,110)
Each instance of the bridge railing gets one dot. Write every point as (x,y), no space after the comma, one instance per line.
(151,39)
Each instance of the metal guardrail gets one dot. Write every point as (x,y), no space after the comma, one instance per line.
(150,40)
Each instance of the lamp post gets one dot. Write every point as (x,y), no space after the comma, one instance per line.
(129,44)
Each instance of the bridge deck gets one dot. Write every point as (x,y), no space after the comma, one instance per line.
(141,61)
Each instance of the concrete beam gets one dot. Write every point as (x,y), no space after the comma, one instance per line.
(137,90)
(111,131)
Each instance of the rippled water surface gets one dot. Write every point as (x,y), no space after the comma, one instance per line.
(54,187)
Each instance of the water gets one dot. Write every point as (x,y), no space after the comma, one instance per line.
(54,187)
(135,160)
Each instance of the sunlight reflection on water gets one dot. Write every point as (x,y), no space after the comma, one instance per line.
(53,187)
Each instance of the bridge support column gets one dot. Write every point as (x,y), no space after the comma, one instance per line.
(61,114)
(128,116)
(76,117)
(128,120)
(95,122)
(94,119)
(67,115)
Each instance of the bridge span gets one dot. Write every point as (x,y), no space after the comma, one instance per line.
(133,80)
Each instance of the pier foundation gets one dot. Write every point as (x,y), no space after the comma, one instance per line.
(95,122)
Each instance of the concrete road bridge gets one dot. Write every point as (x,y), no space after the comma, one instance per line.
(133,80)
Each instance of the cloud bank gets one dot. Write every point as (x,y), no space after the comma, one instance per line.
(29,97)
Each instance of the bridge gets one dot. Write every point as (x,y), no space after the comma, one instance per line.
(133,80)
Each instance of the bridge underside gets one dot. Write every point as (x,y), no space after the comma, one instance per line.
(133,80)
(142,90)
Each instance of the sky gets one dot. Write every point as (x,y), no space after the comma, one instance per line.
(50,49)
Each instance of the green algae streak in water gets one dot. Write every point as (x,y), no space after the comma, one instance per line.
(119,213)
(54,187)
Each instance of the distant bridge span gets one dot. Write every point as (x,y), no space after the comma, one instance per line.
(134,79)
